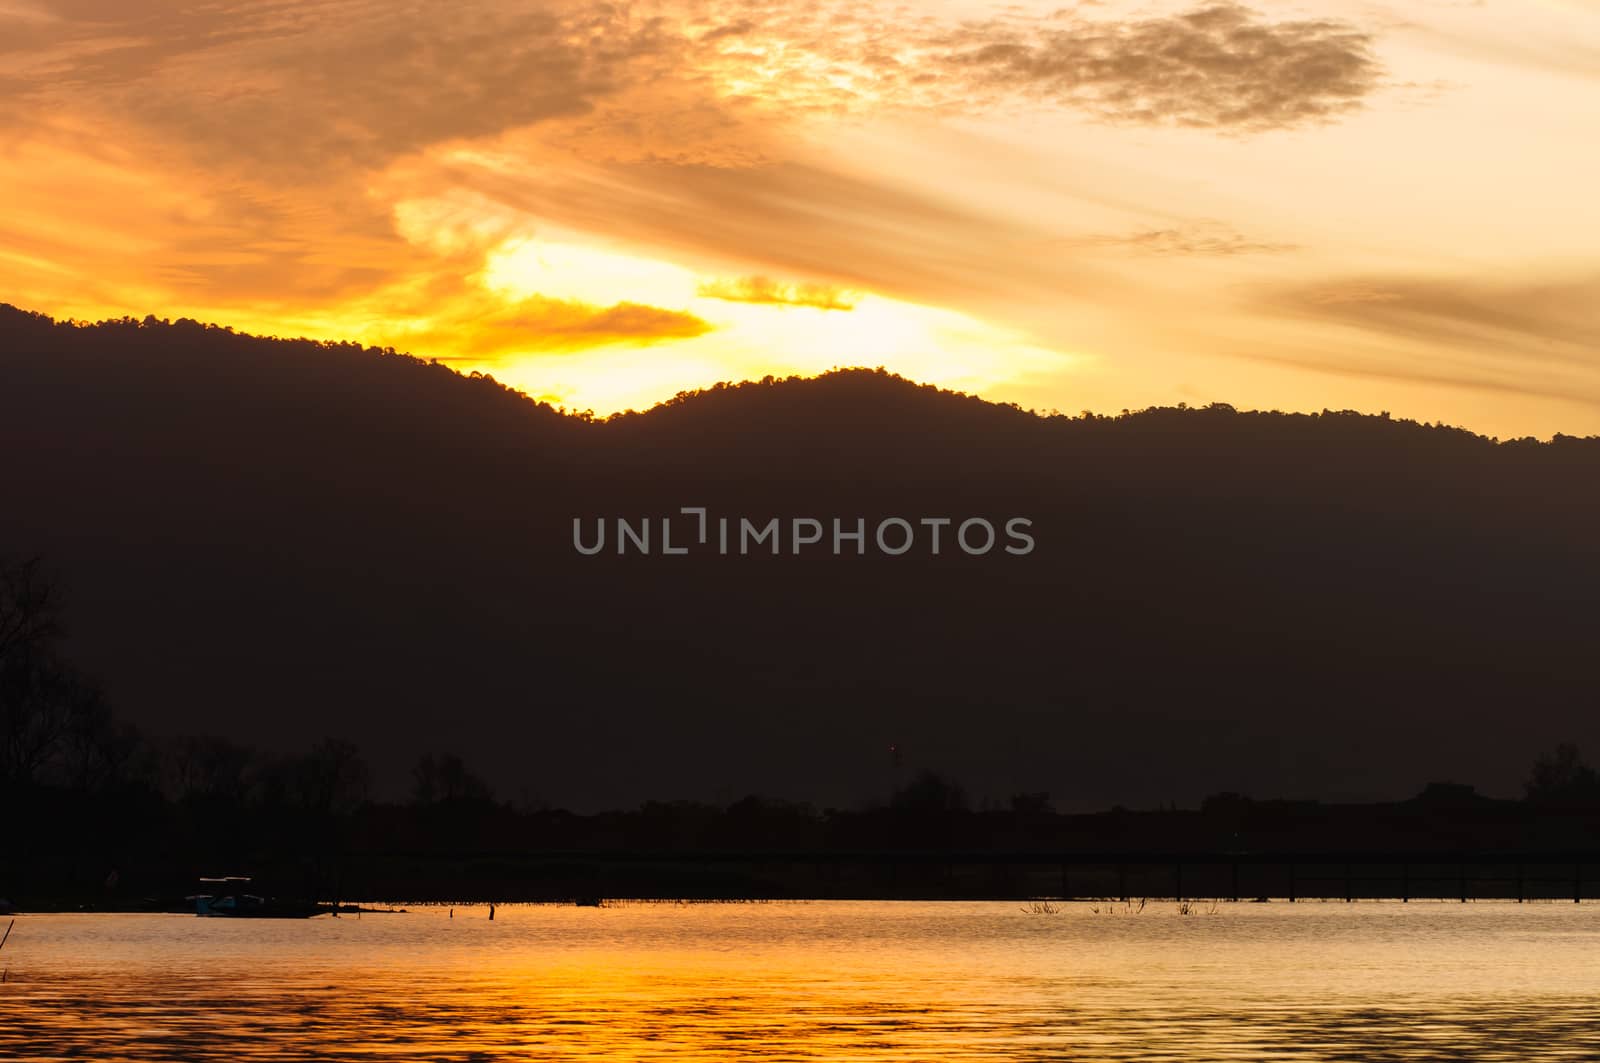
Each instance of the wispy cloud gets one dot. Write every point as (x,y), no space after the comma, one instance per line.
(1534,337)
(1204,238)
(1544,320)
(792,218)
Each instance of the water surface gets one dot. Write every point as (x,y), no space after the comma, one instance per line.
(824,980)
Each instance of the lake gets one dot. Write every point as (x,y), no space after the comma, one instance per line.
(823,980)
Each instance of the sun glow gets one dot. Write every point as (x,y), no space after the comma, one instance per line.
(771,332)
(522,268)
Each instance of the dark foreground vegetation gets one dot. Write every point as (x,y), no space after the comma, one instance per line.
(98,816)
(298,832)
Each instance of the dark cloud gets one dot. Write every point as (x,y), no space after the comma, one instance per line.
(1220,66)
(766,290)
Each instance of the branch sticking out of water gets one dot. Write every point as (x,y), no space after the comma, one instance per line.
(1129,907)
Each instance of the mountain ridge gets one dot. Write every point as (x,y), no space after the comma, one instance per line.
(17,321)
(343,541)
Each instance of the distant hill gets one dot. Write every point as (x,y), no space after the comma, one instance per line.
(277,540)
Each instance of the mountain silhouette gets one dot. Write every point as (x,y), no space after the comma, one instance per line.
(275,540)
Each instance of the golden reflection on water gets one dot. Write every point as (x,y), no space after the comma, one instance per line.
(824,981)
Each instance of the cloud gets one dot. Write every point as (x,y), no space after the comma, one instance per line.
(196,156)
(123,230)
(1220,66)
(1200,238)
(330,85)
(1535,337)
(269,124)
(1436,373)
(209,154)
(555,324)
(1544,320)
(1567,45)
(259,159)
(787,218)
(766,290)
(15,10)
(1217,66)
(454,319)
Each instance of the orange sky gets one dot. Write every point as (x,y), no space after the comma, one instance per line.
(1097,206)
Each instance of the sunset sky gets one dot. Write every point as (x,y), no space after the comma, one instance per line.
(1102,205)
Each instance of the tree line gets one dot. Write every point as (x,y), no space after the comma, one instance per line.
(91,801)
